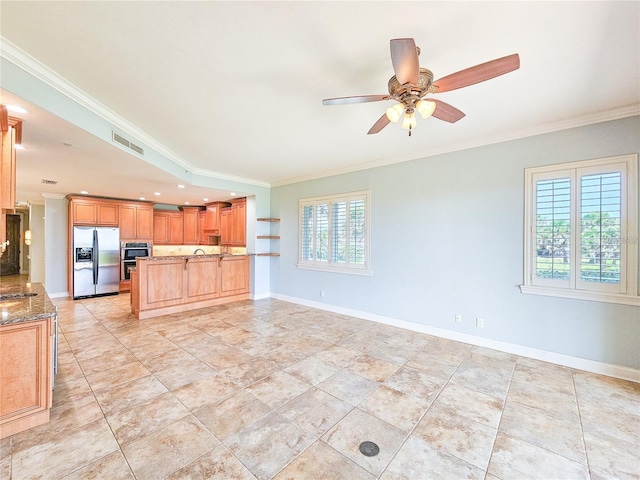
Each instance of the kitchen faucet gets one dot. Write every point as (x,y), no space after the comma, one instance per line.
(195,252)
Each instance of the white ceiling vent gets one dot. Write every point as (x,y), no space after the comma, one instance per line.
(123,141)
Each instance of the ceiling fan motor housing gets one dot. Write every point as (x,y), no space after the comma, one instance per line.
(409,93)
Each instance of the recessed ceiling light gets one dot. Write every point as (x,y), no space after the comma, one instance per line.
(233,194)
(84,192)
(17,109)
(157,194)
(180,186)
(17,146)
(141,198)
(187,203)
(205,199)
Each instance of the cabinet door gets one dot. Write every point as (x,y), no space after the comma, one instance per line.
(107,214)
(202,278)
(144,223)
(212,219)
(127,223)
(234,275)
(176,228)
(239,218)
(8,170)
(226,235)
(190,228)
(160,228)
(203,238)
(85,213)
(25,372)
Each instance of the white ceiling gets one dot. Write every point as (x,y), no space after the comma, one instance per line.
(236,88)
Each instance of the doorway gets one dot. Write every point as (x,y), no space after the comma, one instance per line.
(10,260)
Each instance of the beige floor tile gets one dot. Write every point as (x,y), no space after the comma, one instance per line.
(338,355)
(448,351)
(536,428)
(70,389)
(113,359)
(348,386)
(140,420)
(169,448)
(5,468)
(358,426)
(129,394)
(315,411)
(396,408)
(111,467)
(398,355)
(176,376)
(117,376)
(277,389)
(600,419)
(418,459)
(545,375)
(269,444)
(321,462)
(514,458)
(64,453)
(550,402)
(373,368)
(612,457)
(461,401)
(478,378)
(218,464)
(249,372)
(229,416)
(415,382)
(206,391)
(312,370)
(457,435)
(432,365)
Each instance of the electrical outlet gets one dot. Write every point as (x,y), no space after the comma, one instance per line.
(322,293)
(458,317)
(480,322)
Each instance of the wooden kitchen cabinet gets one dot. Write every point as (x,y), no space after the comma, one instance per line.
(212,223)
(86,211)
(11,134)
(168,228)
(25,375)
(233,224)
(234,275)
(136,222)
(190,225)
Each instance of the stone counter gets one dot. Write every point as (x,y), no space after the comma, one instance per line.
(15,307)
(208,255)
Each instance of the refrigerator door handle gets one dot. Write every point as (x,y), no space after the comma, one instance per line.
(96,255)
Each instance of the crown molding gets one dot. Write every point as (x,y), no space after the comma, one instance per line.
(38,70)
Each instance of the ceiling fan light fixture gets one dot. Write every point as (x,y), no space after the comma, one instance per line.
(395,112)
(425,108)
(409,121)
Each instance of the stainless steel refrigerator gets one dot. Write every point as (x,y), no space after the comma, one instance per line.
(96,261)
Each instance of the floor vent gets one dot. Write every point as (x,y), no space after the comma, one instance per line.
(49,182)
(123,141)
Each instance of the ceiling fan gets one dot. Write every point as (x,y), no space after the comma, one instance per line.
(411,83)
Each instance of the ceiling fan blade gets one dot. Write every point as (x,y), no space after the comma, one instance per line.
(382,122)
(357,99)
(404,57)
(446,112)
(479,73)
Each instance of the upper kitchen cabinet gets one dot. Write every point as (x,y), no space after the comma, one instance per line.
(190,225)
(11,135)
(93,211)
(136,221)
(168,228)
(213,217)
(233,224)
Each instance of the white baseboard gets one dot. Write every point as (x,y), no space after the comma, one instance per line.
(610,370)
(260,296)
(58,294)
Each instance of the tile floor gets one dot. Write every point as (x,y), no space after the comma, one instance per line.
(270,389)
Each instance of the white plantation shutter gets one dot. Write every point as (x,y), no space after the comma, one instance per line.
(333,233)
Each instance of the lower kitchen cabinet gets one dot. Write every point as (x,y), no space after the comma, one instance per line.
(171,285)
(25,375)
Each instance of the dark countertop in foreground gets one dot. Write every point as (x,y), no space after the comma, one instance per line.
(16,308)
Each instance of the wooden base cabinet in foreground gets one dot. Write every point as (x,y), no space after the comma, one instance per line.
(173,285)
(25,375)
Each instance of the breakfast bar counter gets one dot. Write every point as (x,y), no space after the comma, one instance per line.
(167,285)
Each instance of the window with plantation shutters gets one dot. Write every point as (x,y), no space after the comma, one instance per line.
(334,233)
(581,230)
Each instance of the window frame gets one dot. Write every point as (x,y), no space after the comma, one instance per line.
(626,292)
(329,265)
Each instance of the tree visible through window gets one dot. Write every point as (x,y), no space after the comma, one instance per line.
(333,232)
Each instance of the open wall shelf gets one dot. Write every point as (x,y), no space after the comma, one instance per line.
(268,237)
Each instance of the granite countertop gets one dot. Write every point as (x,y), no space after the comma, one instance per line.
(17,306)
(172,257)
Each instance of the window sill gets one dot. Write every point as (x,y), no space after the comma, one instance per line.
(581,295)
(326,268)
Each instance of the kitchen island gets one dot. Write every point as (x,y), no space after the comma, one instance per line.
(27,354)
(167,285)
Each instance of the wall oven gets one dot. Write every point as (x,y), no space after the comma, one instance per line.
(129,252)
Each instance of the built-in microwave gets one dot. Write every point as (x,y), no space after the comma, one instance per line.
(128,254)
